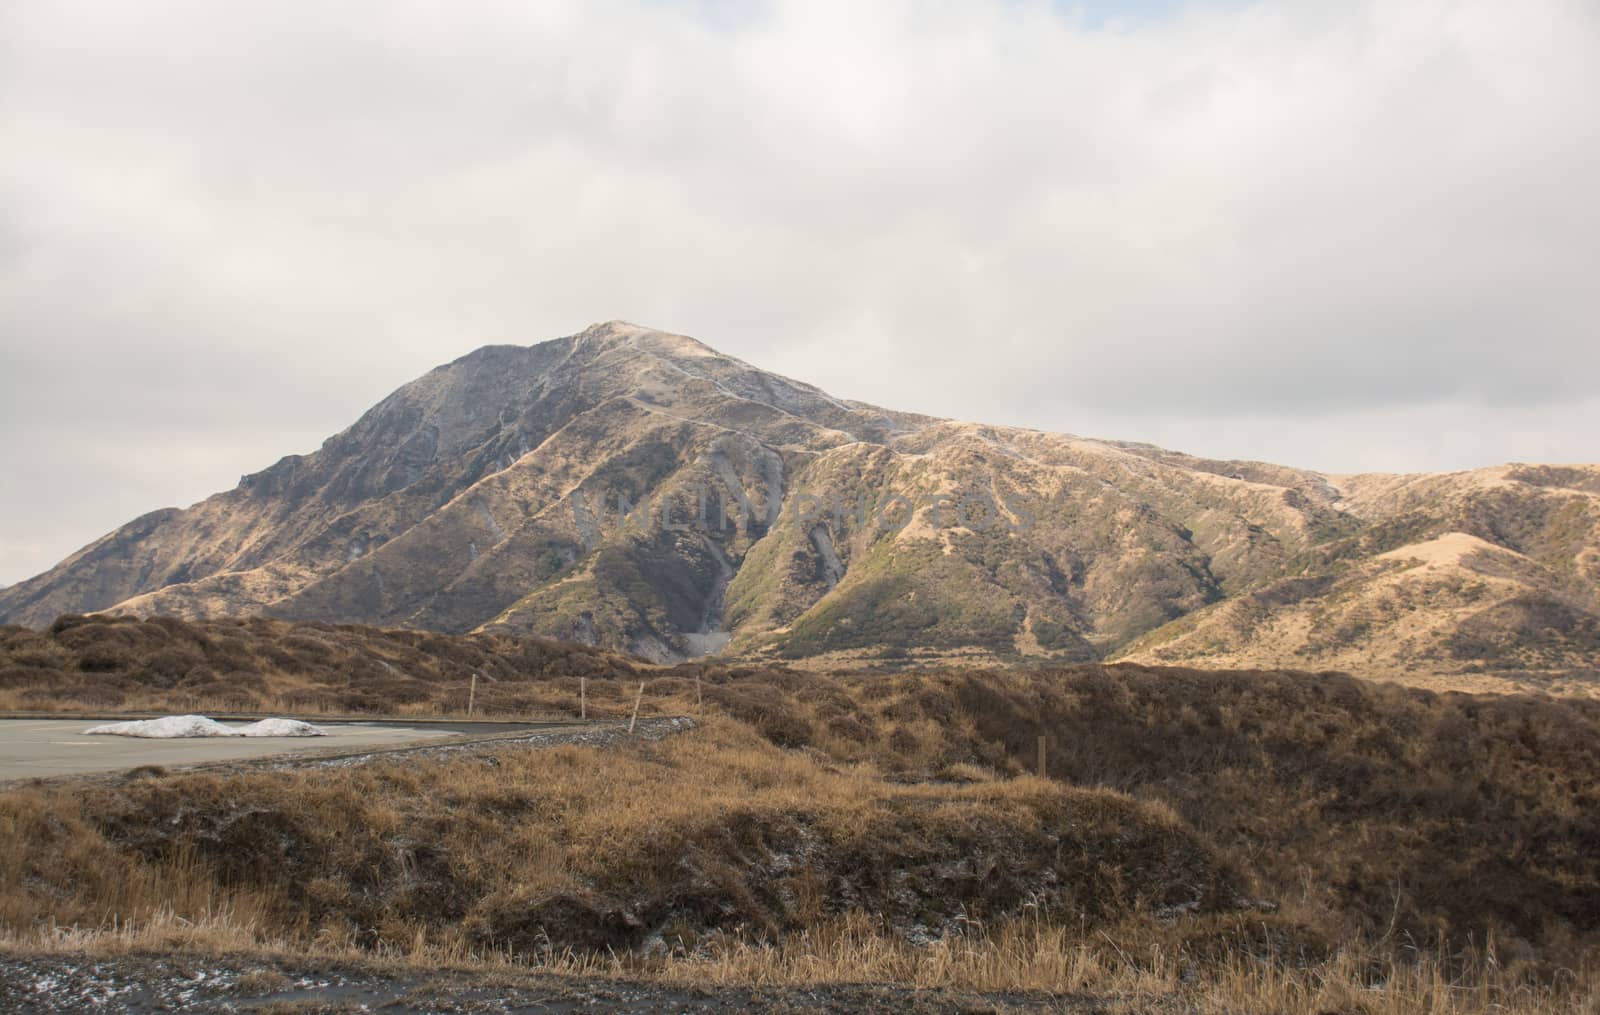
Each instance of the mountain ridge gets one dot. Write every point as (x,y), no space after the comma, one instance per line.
(450,505)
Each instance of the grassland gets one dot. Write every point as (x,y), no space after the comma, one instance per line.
(1221,841)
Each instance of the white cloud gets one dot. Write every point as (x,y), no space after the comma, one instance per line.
(1274,231)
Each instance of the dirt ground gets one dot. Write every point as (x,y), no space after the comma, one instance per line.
(168,983)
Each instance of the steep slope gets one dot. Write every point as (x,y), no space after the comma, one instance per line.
(439,460)
(633,489)
(1490,571)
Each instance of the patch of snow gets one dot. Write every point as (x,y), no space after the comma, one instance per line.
(168,727)
(281,728)
(179,727)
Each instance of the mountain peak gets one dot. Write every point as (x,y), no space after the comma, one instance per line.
(627,335)
(450,505)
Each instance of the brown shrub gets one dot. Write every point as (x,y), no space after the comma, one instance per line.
(1380,809)
(740,836)
(105,659)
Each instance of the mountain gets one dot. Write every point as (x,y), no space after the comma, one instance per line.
(633,489)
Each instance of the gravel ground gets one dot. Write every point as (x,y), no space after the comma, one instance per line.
(166,983)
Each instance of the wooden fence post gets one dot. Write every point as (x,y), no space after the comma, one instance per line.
(636,700)
(472,695)
(1041,758)
(583,697)
(699,702)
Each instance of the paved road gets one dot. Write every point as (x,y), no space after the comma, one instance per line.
(31,748)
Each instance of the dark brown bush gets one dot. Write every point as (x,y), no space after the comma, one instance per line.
(309,647)
(39,658)
(104,659)
(767,709)
(67,621)
(173,662)
(19,676)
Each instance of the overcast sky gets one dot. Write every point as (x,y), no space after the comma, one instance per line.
(1339,235)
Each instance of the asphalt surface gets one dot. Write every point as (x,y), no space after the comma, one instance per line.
(39,748)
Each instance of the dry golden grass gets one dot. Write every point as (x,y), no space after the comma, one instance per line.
(719,831)
(1132,962)
(1129,966)
(1391,829)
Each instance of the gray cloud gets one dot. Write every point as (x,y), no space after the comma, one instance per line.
(1346,236)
